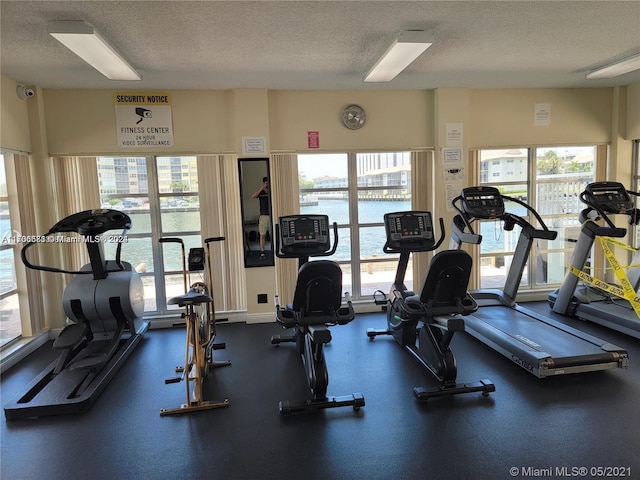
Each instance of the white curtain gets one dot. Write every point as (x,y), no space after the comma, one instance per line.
(222,218)
(284,178)
(29,281)
(422,188)
(76,185)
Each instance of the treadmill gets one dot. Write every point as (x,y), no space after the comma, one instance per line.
(540,345)
(611,307)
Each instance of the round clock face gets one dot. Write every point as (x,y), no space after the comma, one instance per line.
(353,117)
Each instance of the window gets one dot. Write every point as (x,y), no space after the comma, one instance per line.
(10,326)
(356,190)
(160,194)
(559,174)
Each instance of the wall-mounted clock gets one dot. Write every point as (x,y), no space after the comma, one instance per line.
(353,117)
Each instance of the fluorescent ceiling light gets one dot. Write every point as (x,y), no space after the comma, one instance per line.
(83,40)
(406,47)
(620,67)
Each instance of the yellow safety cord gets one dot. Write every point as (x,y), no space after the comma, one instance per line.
(627,292)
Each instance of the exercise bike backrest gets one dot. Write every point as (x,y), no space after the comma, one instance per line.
(487,203)
(609,197)
(91,224)
(411,231)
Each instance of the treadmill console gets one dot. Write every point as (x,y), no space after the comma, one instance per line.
(304,233)
(482,202)
(610,197)
(410,227)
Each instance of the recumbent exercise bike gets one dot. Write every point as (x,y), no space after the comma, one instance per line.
(438,308)
(104,300)
(317,305)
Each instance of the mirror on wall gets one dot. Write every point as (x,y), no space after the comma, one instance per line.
(255,199)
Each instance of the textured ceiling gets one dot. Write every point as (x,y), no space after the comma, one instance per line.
(322,45)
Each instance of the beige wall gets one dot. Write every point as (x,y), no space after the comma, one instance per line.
(14,120)
(83,122)
(633,112)
(394,120)
(506,117)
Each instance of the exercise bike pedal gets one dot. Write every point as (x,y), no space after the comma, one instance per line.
(219,346)
(219,363)
(374,332)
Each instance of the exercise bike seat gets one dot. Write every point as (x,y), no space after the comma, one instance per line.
(444,289)
(318,296)
(192,297)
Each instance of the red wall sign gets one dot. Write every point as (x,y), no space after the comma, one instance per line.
(313,139)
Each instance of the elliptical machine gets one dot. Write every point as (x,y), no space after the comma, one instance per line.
(438,308)
(105,299)
(317,305)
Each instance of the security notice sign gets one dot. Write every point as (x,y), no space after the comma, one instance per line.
(144,119)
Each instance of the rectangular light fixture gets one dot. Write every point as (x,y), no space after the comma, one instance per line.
(83,40)
(406,47)
(626,65)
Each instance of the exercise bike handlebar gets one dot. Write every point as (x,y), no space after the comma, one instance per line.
(213,239)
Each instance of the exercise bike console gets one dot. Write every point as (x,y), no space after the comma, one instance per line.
(411,230)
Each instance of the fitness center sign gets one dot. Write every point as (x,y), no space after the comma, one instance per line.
(143,119)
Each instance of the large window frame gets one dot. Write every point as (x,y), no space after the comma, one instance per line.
(10,323)
(365,272)
(542,272)
(167,184)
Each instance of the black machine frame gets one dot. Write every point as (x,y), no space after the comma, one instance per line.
(105,302)
(425,326)
(310,327)
(540,345)
(603,199)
